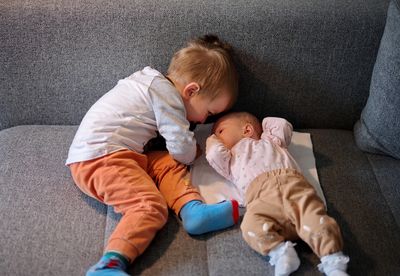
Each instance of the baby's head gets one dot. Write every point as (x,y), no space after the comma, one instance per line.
(205,75)
(233,127)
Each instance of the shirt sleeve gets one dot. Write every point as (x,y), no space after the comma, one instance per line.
(218,156)
(278,130)
(171,121)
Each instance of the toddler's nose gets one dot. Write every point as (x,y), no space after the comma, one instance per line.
(202,120)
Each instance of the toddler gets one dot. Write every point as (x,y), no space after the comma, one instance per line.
(281,204)
(107,161)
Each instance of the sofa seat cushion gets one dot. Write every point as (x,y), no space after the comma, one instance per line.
(50,227)
(378,130)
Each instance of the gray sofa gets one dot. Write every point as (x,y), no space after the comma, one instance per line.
(309,61)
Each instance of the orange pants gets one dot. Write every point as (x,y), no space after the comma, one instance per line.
(126,180)
(282,205)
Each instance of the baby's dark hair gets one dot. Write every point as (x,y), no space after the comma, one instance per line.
(208,61)
(243,117)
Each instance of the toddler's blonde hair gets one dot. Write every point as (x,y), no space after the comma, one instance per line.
(207,61)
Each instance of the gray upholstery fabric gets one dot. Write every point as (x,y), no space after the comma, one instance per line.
(378,130)
(54,229)
(309,61)
(47,226)
(296,58)
(355,199)
(173,251)
(387,172)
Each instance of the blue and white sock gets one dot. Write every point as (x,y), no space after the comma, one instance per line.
(199,218)
(111,264)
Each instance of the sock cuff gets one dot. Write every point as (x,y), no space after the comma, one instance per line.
(119,256)
(335,261)
(235,211)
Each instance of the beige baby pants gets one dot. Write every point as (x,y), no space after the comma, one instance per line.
(282,205)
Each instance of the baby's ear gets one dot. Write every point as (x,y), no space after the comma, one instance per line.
(248,130)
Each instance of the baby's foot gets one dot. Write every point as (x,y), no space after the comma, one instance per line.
(284,258)
(334,264)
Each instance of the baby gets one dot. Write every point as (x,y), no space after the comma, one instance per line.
(281,205)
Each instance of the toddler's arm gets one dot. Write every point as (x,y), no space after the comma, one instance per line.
(277,129)
(218,156)
(172,124)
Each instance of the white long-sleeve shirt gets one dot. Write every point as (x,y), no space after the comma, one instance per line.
(249,158)
(130,114)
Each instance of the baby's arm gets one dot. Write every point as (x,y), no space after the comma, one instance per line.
(218,156)
(277,129)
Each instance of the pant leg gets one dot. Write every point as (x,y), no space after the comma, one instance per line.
(307,212)
(264,224)
(120,180)
(173,180)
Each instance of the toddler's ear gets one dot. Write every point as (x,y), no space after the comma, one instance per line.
(190,90)
(248,130)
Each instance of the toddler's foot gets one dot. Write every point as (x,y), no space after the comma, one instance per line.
(199,218)
(334,264)
(111,264)
(284,258)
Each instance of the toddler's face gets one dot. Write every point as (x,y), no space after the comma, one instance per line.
(229,130)
(199,107)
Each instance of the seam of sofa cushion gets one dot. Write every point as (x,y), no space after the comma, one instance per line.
(382,193)
(397,4)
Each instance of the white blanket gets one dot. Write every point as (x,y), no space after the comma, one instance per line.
(214,188)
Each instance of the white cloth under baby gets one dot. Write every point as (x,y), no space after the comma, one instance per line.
(214,188)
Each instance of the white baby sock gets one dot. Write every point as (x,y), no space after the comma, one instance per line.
(284,258)
(334,264)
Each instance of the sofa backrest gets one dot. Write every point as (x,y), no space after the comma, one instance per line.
(309,61)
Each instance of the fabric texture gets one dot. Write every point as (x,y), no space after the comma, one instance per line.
(42,212)
(309,61)
(282,206)
(285,259)
(378,130)
(200,218)
(131,114)
(66,224)
(387,173)
(126,181)
(111,264)
(249,158)
(295,59)
(215,188)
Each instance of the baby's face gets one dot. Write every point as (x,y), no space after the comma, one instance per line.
(229,130)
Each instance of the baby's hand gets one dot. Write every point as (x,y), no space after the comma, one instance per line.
(211,140)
